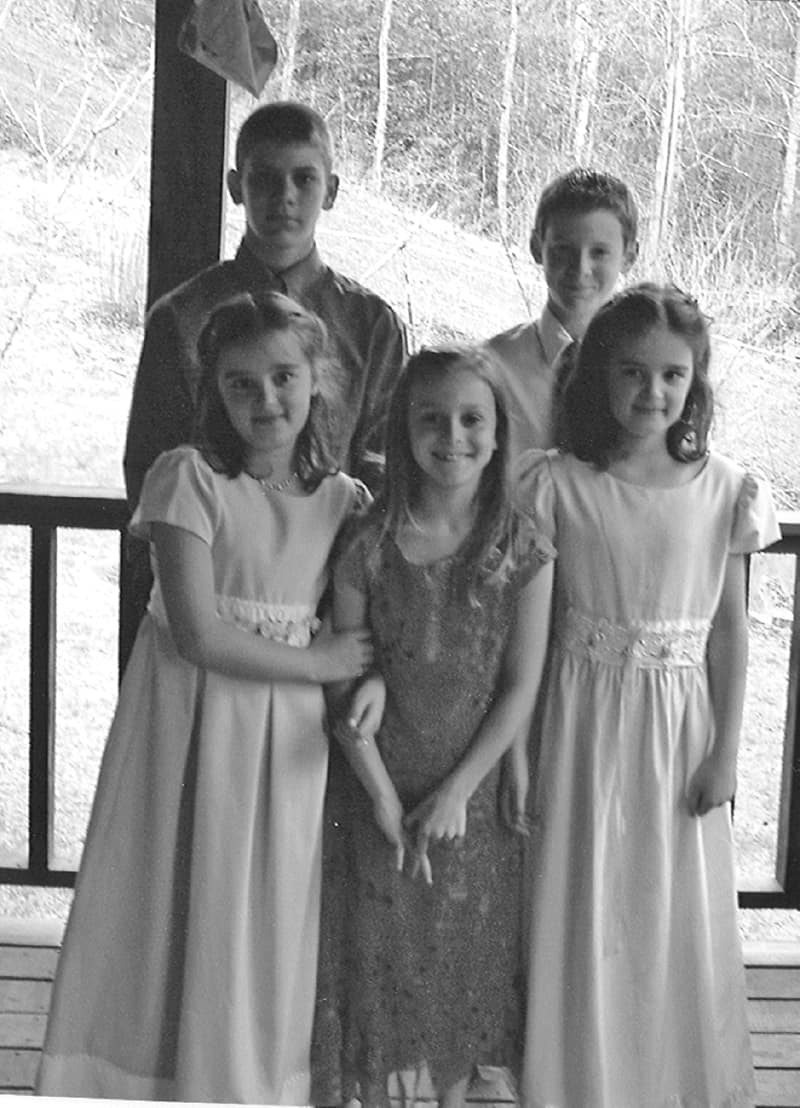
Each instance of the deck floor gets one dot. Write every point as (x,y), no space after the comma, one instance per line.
(29,950)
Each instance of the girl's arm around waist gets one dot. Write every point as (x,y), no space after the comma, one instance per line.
(186,574)
(443,813)
(714,781)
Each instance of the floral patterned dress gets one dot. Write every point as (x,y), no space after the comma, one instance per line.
(413,975)
(188,970)
(636,991)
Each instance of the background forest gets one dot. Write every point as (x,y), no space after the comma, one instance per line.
(469,108)
(449,118)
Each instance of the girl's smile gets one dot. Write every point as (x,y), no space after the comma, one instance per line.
(266,387)
(451,425)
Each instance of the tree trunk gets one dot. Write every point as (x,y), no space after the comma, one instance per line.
(287,69)
(585,65)
(668,164)
(506,105)
(787,252)
(383,94)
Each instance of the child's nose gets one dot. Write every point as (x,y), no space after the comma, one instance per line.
(282,189)
(267,395)
(585,262)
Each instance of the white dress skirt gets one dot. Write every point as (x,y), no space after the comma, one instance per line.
(636,990)
(188,969)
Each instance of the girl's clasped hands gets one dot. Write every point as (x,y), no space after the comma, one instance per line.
(442,815)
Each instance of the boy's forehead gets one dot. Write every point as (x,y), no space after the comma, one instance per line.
(594,225)
(270,152)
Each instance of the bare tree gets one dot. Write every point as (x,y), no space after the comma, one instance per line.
(678,16)
(585,47)
(787,253)
(383,94)
(506,105)
(290,49)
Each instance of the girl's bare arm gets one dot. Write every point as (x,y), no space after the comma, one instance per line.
(187,581)
(714,781)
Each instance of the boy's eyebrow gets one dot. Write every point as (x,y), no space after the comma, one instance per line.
(265,163)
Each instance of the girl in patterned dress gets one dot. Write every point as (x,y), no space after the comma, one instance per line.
(421,959)
(188,965)
(636,992)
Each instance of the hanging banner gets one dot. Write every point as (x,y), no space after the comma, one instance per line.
(231,38)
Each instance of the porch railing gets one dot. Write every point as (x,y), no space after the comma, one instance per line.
(47,510)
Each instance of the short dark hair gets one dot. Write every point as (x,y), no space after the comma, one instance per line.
(585,190)
(236,322)
(585,426)
(284,121)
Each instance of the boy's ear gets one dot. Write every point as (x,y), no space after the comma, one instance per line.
(536,246)
(630,255)
(234,183)
(331,192)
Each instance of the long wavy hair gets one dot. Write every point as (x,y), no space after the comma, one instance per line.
(490,549)
(584,423)
(244,319)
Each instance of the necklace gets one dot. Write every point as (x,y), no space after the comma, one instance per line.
(272,486)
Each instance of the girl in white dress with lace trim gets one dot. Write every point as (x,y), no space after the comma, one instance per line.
(188,970)
(636,991)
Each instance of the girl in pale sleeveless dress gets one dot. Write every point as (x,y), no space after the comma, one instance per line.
(636,990)
(188,966)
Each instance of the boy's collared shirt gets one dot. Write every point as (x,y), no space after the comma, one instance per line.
(528,354)
(367,337)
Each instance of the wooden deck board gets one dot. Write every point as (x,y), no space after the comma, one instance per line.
(781,1051)
(28,954)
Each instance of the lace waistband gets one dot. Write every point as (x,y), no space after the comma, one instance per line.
(662,644)
(293,624)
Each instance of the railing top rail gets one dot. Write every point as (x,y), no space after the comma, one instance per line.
(790,524)
(35,505)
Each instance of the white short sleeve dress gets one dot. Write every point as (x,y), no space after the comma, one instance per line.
(188,969)
(636,990)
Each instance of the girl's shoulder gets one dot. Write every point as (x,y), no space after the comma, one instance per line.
(184,460)
(534,480)
(535,464)
(359,545)
(531,544)
(357,520)
(754,523)
(343,498)
(180,487)
(537,469)
(355,492)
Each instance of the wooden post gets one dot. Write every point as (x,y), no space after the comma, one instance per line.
(188,159)
(42,699)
